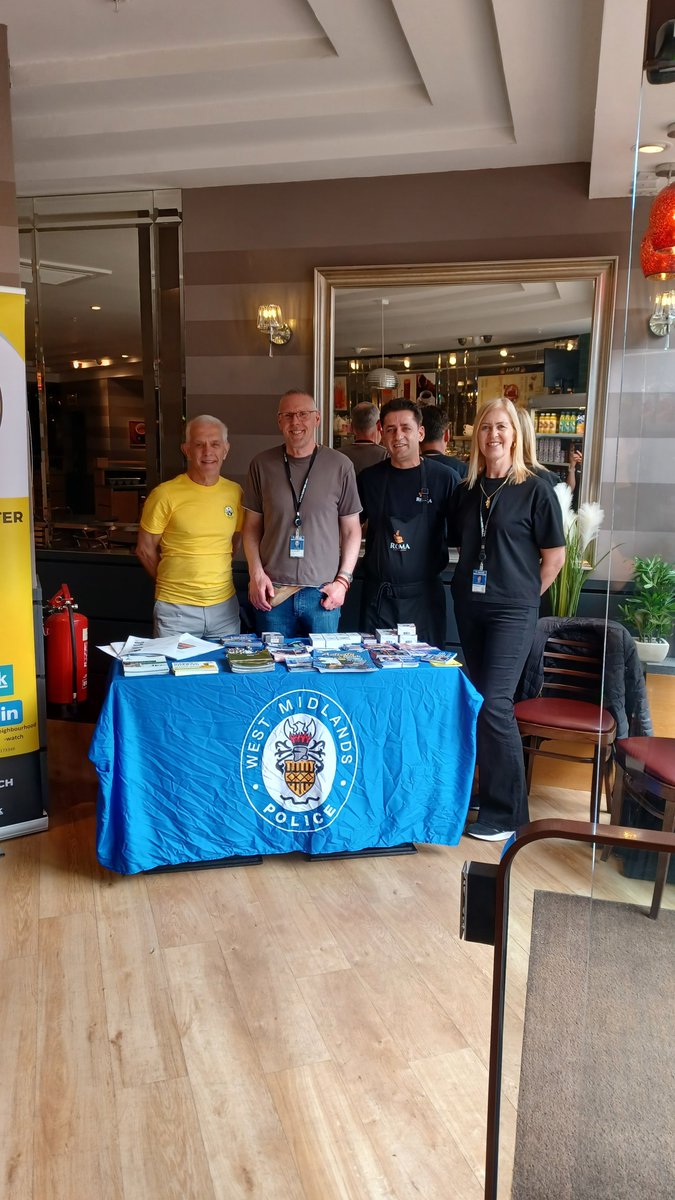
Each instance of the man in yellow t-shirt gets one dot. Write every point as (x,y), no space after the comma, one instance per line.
(189,530)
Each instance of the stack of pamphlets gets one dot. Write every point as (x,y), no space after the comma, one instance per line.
(294,653)
(148,664)
(444,658)
(199,666)
(388,656)
(248,660)
(334,641)
(342,660)
(242,641)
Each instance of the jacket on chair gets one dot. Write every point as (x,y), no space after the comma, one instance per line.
(625,694)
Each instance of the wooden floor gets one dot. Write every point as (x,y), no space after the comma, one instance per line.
(293,1031)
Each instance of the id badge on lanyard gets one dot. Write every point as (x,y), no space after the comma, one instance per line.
(479,580)
(296,544)
(479,575)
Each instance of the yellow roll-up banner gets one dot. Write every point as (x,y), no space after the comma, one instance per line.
(20,795)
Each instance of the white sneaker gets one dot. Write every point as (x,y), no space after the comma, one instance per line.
(487,833)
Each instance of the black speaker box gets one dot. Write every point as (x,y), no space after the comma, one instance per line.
(477,913)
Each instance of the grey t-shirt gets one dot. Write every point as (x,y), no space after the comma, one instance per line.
(363,454)
(331,493)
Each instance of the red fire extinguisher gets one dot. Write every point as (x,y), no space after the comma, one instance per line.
(66,650)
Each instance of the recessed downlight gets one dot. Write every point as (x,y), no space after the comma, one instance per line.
(652,147)
(95,307)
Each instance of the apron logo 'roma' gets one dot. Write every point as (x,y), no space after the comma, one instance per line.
(298,761)
(398,543)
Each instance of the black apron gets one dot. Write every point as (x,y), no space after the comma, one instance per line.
(388,598)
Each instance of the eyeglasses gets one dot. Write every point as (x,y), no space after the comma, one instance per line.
(304,414)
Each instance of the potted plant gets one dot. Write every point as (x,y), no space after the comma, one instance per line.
(651,607)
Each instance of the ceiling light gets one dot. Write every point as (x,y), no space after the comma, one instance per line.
(125,356)
(95,307)
(652,147)
(655,265)
(504,352)
(382,378)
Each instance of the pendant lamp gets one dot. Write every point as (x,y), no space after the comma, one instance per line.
(662,221)
(655,265)
(382,377)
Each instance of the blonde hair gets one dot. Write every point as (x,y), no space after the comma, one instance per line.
(529,440)
(518,471)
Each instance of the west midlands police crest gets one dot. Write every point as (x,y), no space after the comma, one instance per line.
(298,761)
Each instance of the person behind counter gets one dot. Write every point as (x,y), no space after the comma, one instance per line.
(365,450)
(405,502)
(436,437)
(301,526)
(188,534)
(507,523)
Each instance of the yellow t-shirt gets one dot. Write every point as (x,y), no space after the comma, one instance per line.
(196,524)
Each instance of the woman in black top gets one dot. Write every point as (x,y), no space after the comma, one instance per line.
(507,524)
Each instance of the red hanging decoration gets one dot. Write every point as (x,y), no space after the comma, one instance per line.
(662,221)
(655,265)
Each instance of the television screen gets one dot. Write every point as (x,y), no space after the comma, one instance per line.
(561,369)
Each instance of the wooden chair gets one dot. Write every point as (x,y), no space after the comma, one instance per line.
(569,709)
(645,770)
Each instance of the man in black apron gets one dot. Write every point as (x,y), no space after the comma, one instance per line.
(405,503)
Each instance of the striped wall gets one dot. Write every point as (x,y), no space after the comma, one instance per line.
(9,235)
(244,246)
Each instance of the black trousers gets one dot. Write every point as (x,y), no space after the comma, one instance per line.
(385,604)
(496,641)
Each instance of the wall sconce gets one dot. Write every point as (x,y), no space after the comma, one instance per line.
(663,315)
(271,322)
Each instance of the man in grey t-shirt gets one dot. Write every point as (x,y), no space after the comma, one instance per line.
(365,450)
(301,526)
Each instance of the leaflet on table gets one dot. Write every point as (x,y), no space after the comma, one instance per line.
(180,646)
(203,666)
(245,660)
(150,664)
(342,660)
(393,656)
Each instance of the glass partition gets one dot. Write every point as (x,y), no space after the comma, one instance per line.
(104,357)
(586,1068)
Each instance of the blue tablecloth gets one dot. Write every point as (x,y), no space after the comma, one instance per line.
(193,769)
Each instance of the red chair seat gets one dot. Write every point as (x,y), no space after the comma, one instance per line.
(565,714)
(655,755)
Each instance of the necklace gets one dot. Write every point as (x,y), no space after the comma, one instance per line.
(489,499)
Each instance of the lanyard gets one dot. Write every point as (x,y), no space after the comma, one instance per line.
(484,523)
(297,500)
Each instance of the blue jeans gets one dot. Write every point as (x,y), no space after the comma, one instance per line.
(299,616)
(496,640)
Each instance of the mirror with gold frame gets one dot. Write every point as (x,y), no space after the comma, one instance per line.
(541,283)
